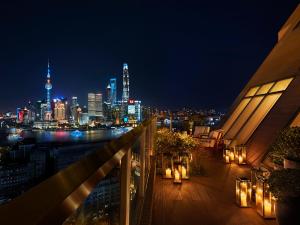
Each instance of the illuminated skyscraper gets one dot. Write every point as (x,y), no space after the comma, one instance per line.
(48,86)
(73,107)
(59,110)
(98,104)
(125,96)
(108,94)
(113,91)
(91,104)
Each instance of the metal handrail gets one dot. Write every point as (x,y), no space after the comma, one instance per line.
(55,199)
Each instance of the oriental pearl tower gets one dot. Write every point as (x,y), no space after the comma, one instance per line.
(48,86)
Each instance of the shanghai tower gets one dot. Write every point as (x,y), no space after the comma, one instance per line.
(125,95)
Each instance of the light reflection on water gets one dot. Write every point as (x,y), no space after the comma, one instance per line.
(69,136)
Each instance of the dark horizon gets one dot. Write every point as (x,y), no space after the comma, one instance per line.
(190,54)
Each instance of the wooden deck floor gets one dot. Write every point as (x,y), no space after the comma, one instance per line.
(204,200)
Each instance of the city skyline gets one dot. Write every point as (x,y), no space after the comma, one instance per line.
(175,50)
(48,98)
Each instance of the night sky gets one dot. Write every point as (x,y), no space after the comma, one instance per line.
(197,54)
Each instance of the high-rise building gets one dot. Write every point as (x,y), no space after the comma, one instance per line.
(125,95)
(134,114)
(113,91)
(108,94)
(95,108)
(38,114)
(59,110)
(91,104)
(74,105)
(48,87)
(98,105)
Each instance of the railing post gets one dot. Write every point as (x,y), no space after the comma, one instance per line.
(148,147)
(125,188)
(153,132)
(142,164)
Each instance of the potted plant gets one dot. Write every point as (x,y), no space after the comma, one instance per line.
(285,186)
(286,148)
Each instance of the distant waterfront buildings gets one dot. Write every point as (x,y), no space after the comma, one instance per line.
(62,113)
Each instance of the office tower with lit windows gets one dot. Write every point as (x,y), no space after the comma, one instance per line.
(48,87)
(95,108)
(98,105)
(108,94)
(91,104)
(59,110)
(73,108)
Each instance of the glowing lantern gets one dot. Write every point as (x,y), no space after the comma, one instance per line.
(167,166)
(184,165)
(243,192)
(240,154)
(265,202)
(168,173)
(177,178)
(183,172)
(226,155)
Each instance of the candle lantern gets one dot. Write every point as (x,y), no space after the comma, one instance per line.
(177,177)
(243,192)
(167,166)
(226,155)
(257,172)
(240,154)
(168,173)
(265,202)
(254,171)
(177,172)
(184,166)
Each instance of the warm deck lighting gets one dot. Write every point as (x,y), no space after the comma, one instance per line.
(240,154)
(183,172)
(226,155)
(177,178)
(231,156)
(265,202)
(168,173)
(243,192)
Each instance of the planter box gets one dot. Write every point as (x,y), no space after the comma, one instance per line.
(287,211)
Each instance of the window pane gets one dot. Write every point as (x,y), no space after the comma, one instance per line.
(235,114)
(252,91)
(281,85)
(264,89)
(243,117)
(256,118)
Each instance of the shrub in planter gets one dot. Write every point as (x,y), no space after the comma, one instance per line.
(285,186)
(286,146)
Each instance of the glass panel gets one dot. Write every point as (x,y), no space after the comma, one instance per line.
(243,117)
(296,121)
(235,114)
(256,118)
(102,206)
(264,89)
(281,85)
(252,91)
